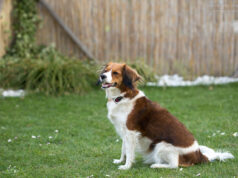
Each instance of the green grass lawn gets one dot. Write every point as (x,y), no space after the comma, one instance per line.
(86,142)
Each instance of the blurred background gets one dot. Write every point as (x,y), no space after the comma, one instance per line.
(188,37)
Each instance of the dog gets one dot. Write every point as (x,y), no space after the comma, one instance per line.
(146,127)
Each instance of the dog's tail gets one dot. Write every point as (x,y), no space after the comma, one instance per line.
(212,155)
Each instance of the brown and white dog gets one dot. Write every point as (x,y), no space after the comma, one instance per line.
(148,128)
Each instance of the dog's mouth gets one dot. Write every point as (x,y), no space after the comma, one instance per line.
(108,85)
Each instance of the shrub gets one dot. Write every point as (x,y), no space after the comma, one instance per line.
(51,73)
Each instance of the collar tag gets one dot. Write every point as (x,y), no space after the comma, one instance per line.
(118,99)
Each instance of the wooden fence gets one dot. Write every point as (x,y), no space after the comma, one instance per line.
(189,37)
(5,25)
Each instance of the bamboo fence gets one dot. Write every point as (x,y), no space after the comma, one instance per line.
(189,37)
(5,25)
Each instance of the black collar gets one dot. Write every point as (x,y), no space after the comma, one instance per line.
(118,99)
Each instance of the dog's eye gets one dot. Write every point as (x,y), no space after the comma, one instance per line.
(115,73)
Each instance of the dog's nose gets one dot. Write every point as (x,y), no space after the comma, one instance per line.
(103,76)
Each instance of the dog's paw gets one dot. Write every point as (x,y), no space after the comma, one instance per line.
(124,167)
(117,161)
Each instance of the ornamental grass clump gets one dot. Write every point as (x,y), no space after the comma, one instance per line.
(51,73)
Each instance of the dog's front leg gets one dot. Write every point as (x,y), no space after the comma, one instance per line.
(123,153)
(130,144)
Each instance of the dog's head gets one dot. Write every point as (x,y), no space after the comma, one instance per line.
(119,75)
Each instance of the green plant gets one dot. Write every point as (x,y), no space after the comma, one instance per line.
(25,21)
(51,73)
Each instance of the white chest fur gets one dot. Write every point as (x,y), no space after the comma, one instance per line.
(118,112)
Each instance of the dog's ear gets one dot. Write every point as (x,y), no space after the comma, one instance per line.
(130,76)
